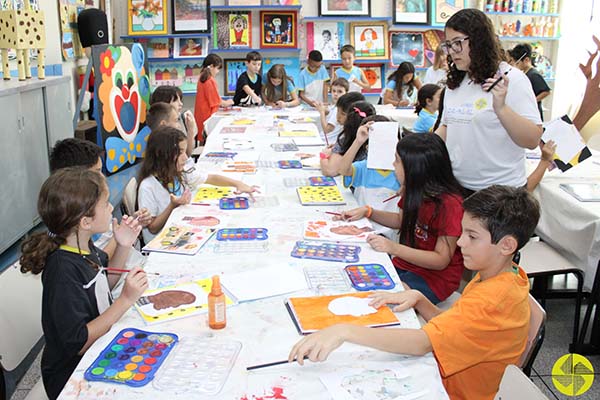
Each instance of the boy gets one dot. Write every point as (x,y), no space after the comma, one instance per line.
(329,123)
(354,75)
(522,54)
(249,85)
(313,80)
(162,114)
(486,329)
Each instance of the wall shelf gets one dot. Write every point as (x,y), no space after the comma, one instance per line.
(172,60)
(245,50)
(348,18)
(411,27)
(528,38)
(228,8)
(530,14)
(174,35)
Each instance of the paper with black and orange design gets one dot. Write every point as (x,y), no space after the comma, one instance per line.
(570,146)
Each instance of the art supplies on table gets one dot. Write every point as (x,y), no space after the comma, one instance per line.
(266,164)
(198,365)
(570,146)
(242,234)
(220,154)
(243,121)
(176,301)
(302,141)
(205,193)
(241,247)
(234,203)
(132,358)
(311,314)
(265,201)
(295,181)
(238,144)
(313,162)
(325,278)
(289,164)
(383,137)
(179,239)
(233,129)
(246,167)
(365,277)
(263,283)
(320,196)
(200,220)
(321,181)
(284,147)
(297,133)
(588,192)
(338,231)
(326,251)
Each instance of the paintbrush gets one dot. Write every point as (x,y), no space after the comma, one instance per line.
(391,197)
(119,271)
(271,364)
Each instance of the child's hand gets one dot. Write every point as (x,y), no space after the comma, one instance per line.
(243,188)
(321,107)
(136,283)
(257,100)
(143,216)
(362,134)
(190,123)
(318,345)
(280,104)
(352,215)
(127,231)
(185,198)
(328,151)
(498,92)
(403,300)
(548,150)
(403,103)
(380,243)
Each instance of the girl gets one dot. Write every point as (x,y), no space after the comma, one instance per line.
(400,88)
(428,101)
(353,114)
(208,100)
(426,258)
(276,85)
(436,74)
(162,184)
(77,307)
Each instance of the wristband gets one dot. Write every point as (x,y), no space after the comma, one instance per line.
(323,156)
(369,211)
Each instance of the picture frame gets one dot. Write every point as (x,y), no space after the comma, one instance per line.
(158,47)
(370,39)
(292,67)
(183,74)
(407,46)
(190,16)
(414,12)
(375,74)
(327,37)
(243,2)
(190,47)
(232,70)
(442,10)
(283,3)
(278,29)
(336,8)
(232,29)
(142,22)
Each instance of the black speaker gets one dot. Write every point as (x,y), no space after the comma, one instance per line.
(93,27)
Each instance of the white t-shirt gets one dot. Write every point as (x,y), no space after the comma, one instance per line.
(332,119)
(481,151)
(437,77)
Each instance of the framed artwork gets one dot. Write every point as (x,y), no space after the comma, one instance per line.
(370,39)
(242,2)
(278,29)
(190,16)
(339,8)
(407,46)
(190,47)
(158,47)
(327,37)
(411,12)
(375,75)
(281,2)
(442,10)
(232,29)
(146,17)
(232,69)
(291,65)
(183,74)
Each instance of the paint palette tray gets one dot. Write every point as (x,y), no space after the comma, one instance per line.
(326,251)
(289,164)
(366,277)
(132,358)
(284,146)
(317,196)
(295,181)
(321,181)
(199,365)
(265,201)
(234,203)
(323,278)
(241,246)
(220,154)
(242,234)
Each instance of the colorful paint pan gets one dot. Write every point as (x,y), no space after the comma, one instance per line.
(321,181)
(242,234)
(234,203)
(289,164)
(326,251)
(366,277)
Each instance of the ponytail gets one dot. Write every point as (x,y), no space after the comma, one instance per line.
(425,93)
(211,61)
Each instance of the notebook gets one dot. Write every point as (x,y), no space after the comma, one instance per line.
(582,191)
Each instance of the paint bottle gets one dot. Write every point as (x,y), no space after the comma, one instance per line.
(518,6)
(489,6)
(216,305)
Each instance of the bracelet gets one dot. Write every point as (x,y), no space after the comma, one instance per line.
(369,211)
(323,156)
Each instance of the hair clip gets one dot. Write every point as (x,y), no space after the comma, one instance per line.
(360,113)
(51,235)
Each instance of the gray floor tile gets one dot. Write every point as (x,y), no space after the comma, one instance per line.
(19,394)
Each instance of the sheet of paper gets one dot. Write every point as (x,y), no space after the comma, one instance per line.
(567,138)
(383,137)
(264,282)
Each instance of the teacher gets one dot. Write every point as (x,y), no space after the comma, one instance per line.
(490,114)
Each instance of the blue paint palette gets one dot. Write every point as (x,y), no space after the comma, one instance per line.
(242,234)
(366,277)
(132,357)
(234,203)
(289,164)
(326,251)
(220,154)
(321,181)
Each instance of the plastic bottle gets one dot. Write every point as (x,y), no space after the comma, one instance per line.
(217,318)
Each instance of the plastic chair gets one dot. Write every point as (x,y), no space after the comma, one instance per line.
(594,142)
(129,201)
(515,385)
(535,336)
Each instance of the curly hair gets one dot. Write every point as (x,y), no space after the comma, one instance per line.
(484,47)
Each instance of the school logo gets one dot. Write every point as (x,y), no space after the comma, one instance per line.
(572,374)
(480,104)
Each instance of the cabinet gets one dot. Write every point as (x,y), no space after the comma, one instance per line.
(59,103)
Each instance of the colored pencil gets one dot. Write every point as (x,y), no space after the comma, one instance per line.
(390,198)
(333,213)
(119,270)
(271,364)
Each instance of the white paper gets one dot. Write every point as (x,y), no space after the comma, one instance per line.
(383,137)
(308,141)
(567,138)
(349,305)
(263,283)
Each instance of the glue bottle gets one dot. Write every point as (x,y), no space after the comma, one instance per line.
(216,305)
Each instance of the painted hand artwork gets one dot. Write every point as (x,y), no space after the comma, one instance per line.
(123,96)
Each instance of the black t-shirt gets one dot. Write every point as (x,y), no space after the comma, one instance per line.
(66,309)
(241,98)
(539,86)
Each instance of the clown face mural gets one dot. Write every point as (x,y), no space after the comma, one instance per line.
(123,95)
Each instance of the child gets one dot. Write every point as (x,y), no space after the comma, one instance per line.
(77,307)
(428,101)
(426,257)
(546,159)
(354,75)
(277,84)
(208,100)
(400,88)
(162,186)
(164,114)
(523,53)
(331,128)
(436,74)
(486,329)
(313,80)
(249,85)
(174,96)
(353,116)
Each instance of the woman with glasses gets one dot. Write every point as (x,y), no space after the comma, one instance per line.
(490,112)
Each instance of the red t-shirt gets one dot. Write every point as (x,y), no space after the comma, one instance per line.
(428,228)
(207,102)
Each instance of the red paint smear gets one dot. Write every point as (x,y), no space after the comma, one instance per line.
(276,393)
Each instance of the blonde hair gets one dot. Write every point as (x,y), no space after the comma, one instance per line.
(439,58)
(277,71)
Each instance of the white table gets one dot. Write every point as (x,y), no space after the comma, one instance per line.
(263,327)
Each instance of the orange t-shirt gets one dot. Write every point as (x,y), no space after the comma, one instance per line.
(483,332)
(207,102)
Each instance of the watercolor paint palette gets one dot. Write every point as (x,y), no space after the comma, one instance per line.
(241,246)
(289,164)
(220,154)
(326,251)
(132,358)
(321,181)
(323,278)
(318,196)
(234,203)
(365,277)
(284,147)
(242,234)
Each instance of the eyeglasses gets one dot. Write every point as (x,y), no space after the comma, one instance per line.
(456,45)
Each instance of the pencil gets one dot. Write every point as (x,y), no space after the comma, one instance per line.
(497,81)
(271,364)
(119,270)
(390,198)
(333,213)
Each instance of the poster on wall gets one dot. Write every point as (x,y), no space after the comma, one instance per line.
(146,17)
(182,74)
(70,44)
(327,37)
(190,16)
(233,69)
(407,46)
(369,39)
(291,65)
(442,10)
(232,29)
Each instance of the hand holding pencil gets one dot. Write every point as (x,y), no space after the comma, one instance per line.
(351,215)
(498,85)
